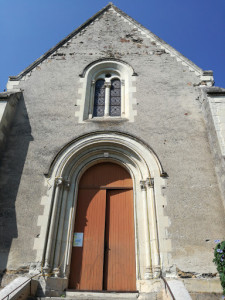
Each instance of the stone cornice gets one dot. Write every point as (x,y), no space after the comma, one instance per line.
(5,96)
(215,90)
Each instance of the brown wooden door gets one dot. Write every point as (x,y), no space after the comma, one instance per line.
(106,260)
(119,264)
(87,261)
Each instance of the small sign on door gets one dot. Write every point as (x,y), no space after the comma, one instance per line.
(78,239)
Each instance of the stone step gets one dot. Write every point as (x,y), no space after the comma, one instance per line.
(90,295)
(103,296)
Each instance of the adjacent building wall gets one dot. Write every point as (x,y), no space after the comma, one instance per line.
(8,103)
(213,104)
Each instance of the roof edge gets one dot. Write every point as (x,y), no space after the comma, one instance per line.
(163,43)
(173,52)
(60,44)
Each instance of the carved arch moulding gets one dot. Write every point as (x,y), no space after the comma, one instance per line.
(151,244)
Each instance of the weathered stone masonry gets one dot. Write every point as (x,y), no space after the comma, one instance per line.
(166,115)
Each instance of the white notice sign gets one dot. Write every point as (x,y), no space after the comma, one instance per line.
(78,239)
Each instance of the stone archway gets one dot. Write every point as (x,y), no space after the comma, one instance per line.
(64,176)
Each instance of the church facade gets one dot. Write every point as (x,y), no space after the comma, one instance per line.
(112,165)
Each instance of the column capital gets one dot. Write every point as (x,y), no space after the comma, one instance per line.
(59,181)
(107,84)
(143,185)
(62,182)
(123,82)
(93,82)
(67,184)
(150,182)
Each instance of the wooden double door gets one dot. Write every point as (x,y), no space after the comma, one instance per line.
(103,255)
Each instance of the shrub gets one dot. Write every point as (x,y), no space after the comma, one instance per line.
(219,260)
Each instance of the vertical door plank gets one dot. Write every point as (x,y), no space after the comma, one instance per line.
(87,261)
(119,269)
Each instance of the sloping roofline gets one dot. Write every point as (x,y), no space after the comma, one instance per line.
(160,42)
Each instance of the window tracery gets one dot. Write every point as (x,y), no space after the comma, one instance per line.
(107,97)
(115,98)
(99,99)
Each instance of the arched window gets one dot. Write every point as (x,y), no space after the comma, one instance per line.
(107,92)
(99,99)
(115,98)
(107,96)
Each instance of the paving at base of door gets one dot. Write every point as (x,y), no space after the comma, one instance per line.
(104,296)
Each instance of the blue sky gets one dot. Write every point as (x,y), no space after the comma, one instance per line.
(29,28)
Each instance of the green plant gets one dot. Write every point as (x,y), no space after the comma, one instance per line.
(219,260)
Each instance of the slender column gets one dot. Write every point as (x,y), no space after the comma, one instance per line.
(70,217)
(69,242)
(58,183)
(153,227)
(122,98)
(56,226)
(57,261)
(107,97)
(91,103)
(148,267)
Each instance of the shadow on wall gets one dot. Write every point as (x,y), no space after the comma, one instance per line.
(11,167)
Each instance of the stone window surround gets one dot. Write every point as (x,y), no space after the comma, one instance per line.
(90,74)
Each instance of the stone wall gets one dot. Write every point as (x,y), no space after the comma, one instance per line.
(169,119)
(8,104)
(213,104)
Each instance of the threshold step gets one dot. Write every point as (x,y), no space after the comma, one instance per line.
(105,296)
(100,295)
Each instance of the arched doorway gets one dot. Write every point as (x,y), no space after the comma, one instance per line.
(60,204)
(103,253)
